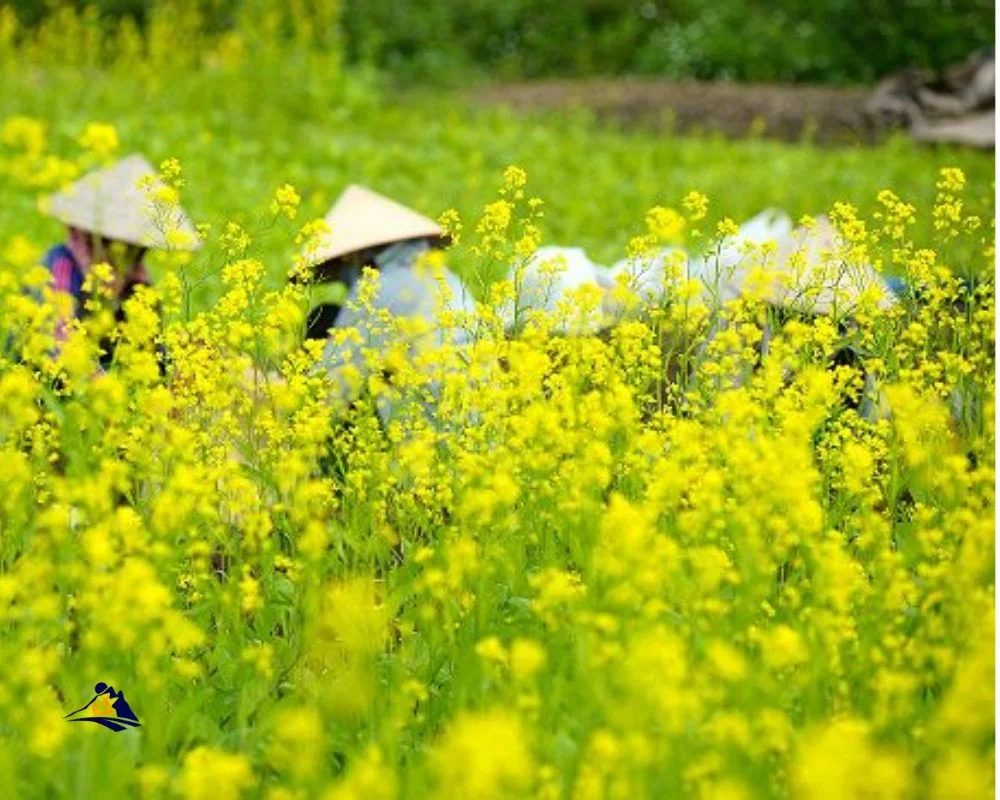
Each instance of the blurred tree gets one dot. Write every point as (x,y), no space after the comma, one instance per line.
(834,41)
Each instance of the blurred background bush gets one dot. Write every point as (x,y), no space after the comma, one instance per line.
(820,41)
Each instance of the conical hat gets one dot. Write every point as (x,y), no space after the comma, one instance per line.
(362,218)
(809,273)
(112,204)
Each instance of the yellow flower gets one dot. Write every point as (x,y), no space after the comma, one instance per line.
(211,774)
(152,779)
(951,179)
(555,590)
(514,178)
(451,222)
(483,755)
(726,227)
(839,761)
(165,195)
(727,661)
(783,648)
(24,133)
(100,140)
(297,743)
(665,225)
(527,658)
(286,201)
(170,172)
(250,595)
(696,204)
(491,649)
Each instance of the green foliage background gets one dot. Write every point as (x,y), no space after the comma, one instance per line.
(830,41)
(240,134)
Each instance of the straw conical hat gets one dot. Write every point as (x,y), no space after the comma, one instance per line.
(809,273)
(362,218)
(112,204)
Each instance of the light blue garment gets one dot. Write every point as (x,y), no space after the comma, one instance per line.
(720,270)
(553,273)
(547,280)
(407,292)
(897,284)
(402,254)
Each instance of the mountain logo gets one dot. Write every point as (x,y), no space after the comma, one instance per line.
(107,708)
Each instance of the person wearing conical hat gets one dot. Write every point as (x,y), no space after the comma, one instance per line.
(802,272)
(363,225)
(793,269)
(368,229)
(810,275)
(110,218)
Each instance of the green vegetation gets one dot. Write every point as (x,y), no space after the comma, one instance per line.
(830,41)
(241,132)
(663,561)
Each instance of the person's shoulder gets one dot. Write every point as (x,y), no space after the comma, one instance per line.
(55,254)
(66,276)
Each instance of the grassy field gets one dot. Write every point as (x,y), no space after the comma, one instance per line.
(651,563)
(433,153)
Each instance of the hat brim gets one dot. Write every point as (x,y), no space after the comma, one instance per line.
(111,204)
(335,268)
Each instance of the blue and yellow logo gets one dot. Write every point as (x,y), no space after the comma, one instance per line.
(108,708)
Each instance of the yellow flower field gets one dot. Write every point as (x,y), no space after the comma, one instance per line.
(555,571)
(621,549)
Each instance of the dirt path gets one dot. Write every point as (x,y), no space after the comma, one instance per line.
(824,114)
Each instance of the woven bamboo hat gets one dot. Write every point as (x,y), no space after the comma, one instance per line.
(361,219)
(112,204)
(810,273)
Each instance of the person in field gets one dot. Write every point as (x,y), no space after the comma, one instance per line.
(804,273)
(796,272)
(111,219)
(369,230)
